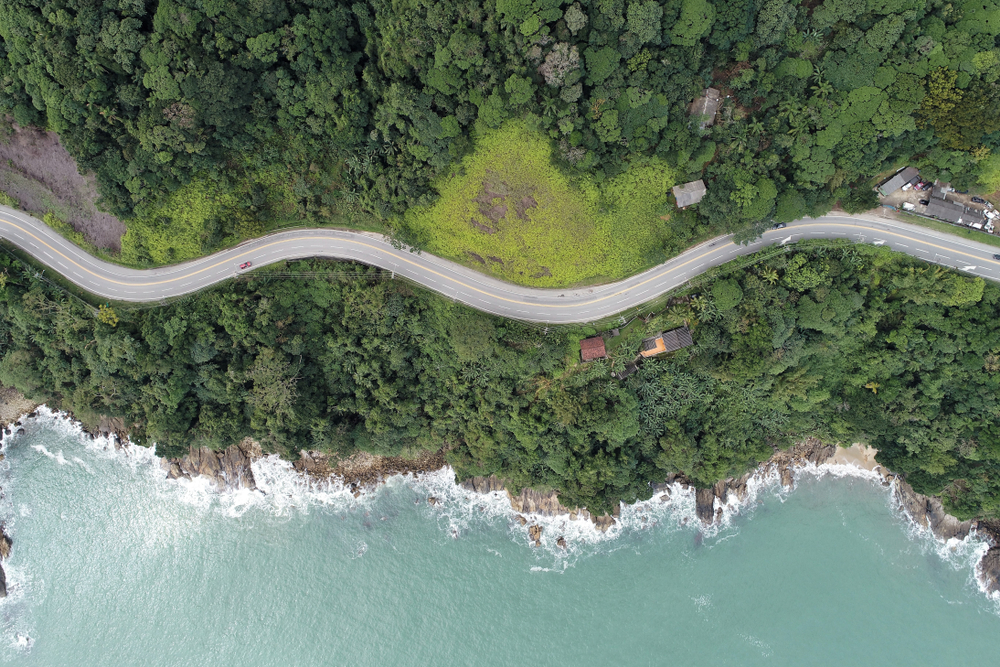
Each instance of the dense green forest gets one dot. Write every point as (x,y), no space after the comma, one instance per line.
(305,108)
(843,342)
(228,116)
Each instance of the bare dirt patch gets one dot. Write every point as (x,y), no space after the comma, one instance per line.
(36,170)
(486,229)
(526,202)
(493,203)
(475,257)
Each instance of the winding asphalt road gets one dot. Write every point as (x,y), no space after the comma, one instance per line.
(554,306)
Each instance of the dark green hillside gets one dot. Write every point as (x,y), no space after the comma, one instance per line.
(846,343)
(308,108)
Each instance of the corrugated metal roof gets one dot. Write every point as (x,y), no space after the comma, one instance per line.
(899,180)
(706,106)
(945,210)
(689,193)
(670,341)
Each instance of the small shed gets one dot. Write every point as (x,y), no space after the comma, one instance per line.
(689,193)
(901,178)
(671,341)
(946,210)
(706,106)
(630,368)
(940,190)
(593,348)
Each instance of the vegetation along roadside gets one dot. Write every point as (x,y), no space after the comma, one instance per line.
(205,123)
(845,343)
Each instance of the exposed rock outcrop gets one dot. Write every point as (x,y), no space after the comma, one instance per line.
(544,503)
(704,504)
(13,405)
(113,428)
(928,512)
(227,469)
(5,543)
(363,470)
(782,463)
(989,565)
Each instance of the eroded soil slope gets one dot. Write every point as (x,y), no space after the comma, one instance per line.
(37,171)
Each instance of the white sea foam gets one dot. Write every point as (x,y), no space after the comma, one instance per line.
(281,491)
(58,458)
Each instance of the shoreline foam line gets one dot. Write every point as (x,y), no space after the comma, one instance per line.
(283,490)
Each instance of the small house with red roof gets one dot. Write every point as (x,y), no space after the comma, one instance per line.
(593,348)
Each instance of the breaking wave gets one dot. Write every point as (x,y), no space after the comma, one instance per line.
(283,492)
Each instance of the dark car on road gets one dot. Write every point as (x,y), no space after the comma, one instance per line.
(979,200)
(780,225)
(996,256)
(245,265)
(924,202)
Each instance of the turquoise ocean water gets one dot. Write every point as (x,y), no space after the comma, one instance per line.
(113,565)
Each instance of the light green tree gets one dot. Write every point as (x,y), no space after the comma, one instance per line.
(694,22)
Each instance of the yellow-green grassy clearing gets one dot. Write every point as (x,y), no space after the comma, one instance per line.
(509,211)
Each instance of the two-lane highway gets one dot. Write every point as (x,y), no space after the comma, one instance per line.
(556,306)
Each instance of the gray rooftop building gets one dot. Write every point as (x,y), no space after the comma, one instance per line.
(706,107)
(901,178)
(940,190)
(689,193)
(946,210)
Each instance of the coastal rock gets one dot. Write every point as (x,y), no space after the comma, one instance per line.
(721,489)
(561,542)
(227,470)
(432,501)
(928,512)
(521,520)
(704,504)
(738,487)
(3,583)
(783,463)
(603,522)
(989,569)
(364,470)
(5,544)
(112,428)
(535,533)
(12,405)
(531,501)
(989,565)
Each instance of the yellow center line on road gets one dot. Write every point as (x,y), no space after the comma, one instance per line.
(357,243)
(401,258)
(909,238)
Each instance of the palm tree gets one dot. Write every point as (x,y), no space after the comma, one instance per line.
(550,107)
(823,89)
(789,109)
(798,126)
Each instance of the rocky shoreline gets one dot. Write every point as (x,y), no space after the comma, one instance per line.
(538,503)
(231,469)
(14,408)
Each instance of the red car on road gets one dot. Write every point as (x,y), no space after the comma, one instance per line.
(245,265)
